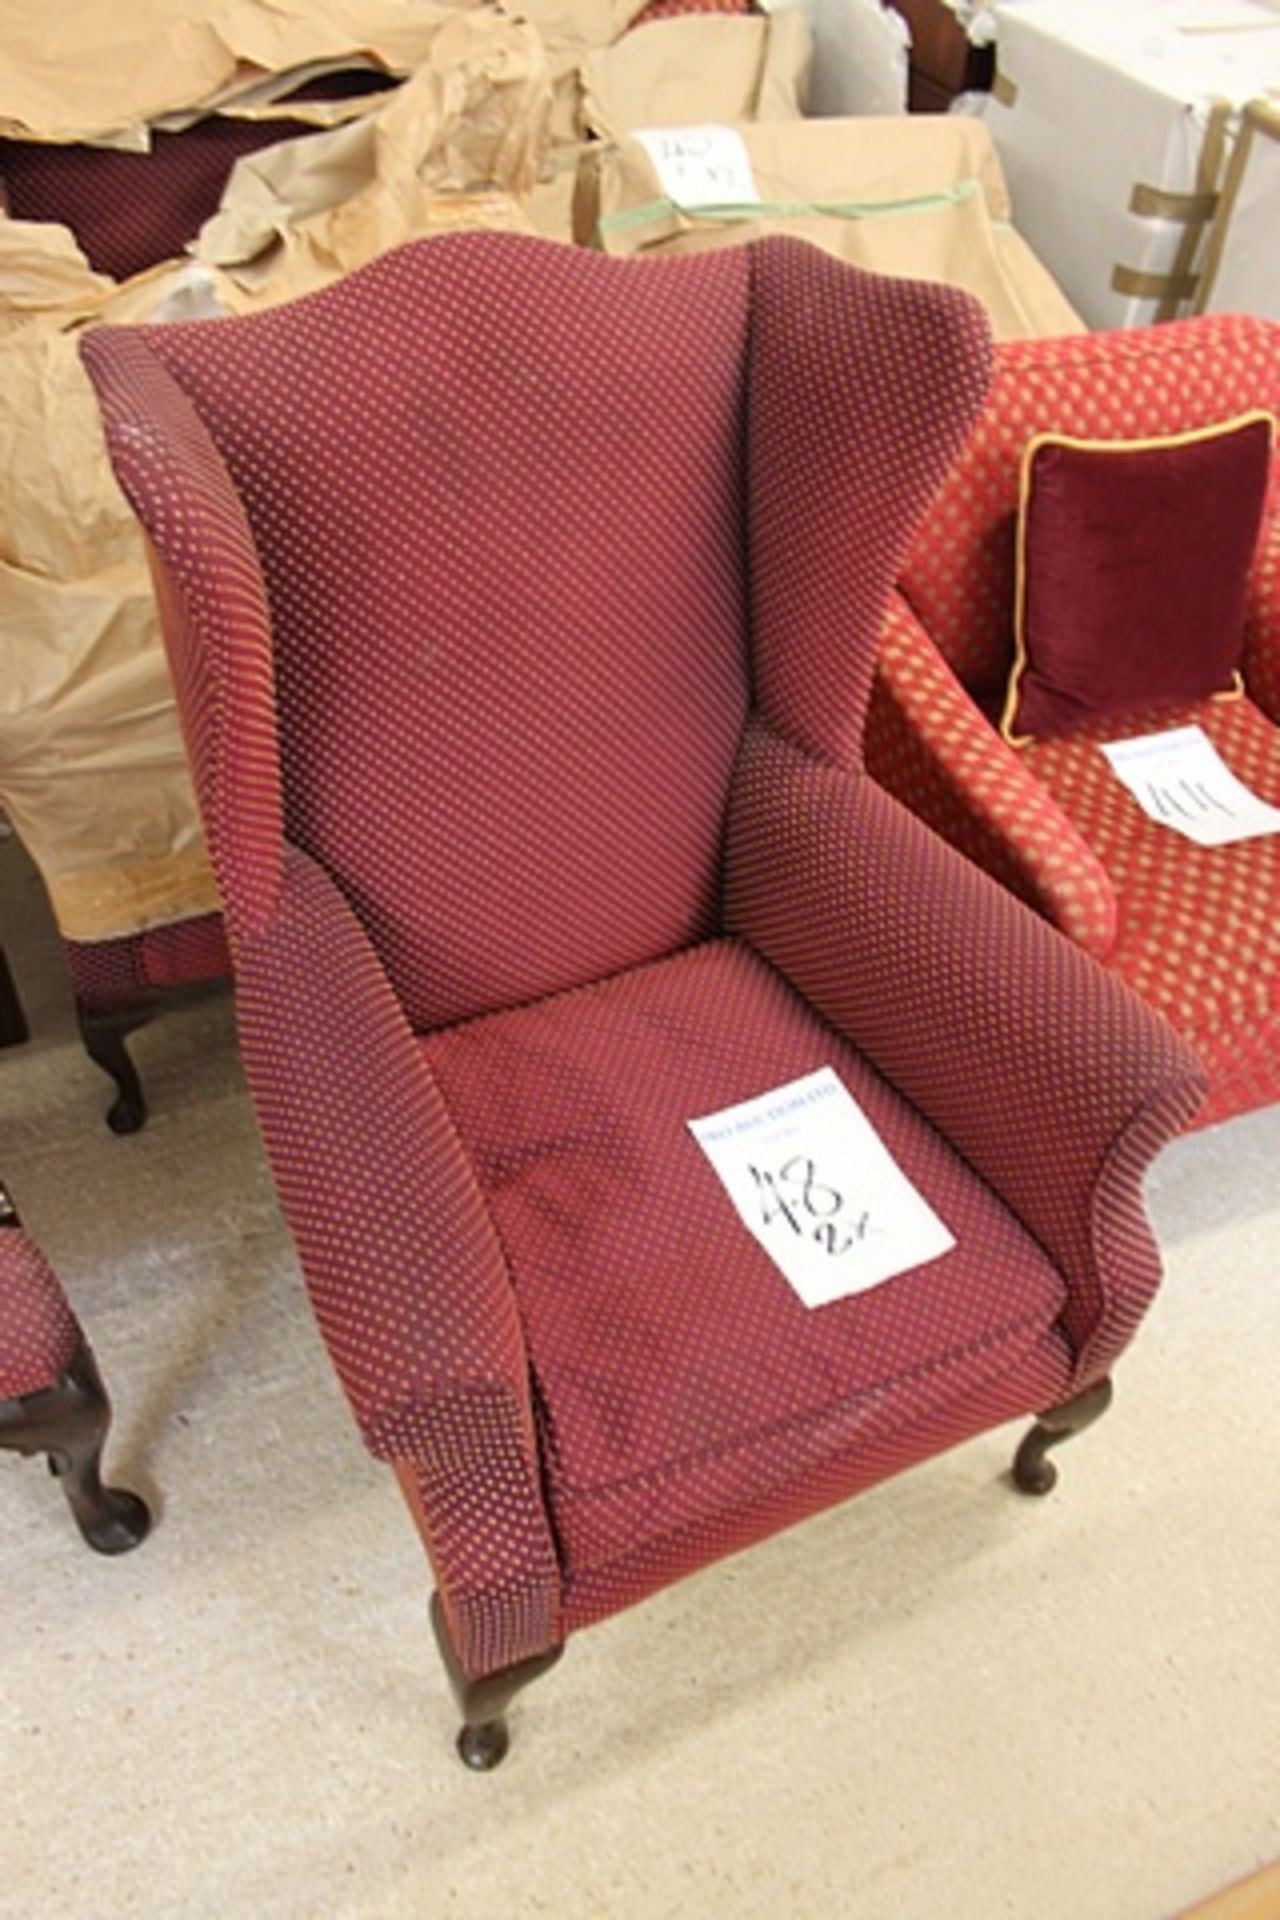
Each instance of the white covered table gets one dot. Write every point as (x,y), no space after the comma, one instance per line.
(1118,123)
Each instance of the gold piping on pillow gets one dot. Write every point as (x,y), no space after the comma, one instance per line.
(1078,444)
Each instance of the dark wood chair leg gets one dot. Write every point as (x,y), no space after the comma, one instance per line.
(483,1738)
(104,1032)
(13,1021)
(1032,1471)
(68,1421)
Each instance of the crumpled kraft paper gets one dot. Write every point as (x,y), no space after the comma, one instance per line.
(570,30)
(81,70)
(92,769)
(44,275)
(699,67)
(459,144)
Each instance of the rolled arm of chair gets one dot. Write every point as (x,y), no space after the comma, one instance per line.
(929,745)
(401,1261)
(1052,1079)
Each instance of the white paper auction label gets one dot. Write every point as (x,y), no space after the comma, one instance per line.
(1180,779)
(706,166)
(812,1181)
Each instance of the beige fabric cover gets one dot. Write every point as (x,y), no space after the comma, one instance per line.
(922,197)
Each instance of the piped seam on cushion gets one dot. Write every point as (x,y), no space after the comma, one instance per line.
(684,1464)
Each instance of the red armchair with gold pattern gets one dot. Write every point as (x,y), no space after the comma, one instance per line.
(522,605)
(1195,930)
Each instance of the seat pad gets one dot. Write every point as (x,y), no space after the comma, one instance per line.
(1198,931)
(674,1367)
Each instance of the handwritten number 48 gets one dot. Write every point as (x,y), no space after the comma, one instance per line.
(795,1194)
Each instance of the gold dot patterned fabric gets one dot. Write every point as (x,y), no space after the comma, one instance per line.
(521,603)
(1196,931)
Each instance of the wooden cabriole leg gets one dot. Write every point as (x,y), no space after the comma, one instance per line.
(13,1021)
(104,1031)
(68,1421)
(483,1739)
(1033,1472)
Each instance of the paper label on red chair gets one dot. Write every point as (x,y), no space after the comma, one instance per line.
(1180,779)
(706,166)
(813,1182)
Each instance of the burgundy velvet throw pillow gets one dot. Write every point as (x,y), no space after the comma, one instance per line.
(1133,568)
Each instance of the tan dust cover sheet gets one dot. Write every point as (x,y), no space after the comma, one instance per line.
(921,197)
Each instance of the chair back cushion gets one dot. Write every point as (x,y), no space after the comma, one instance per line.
(1125,384)
(496,499)
(471,565)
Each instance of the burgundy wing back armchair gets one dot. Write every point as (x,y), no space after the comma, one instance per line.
(523,606)
(1195,930)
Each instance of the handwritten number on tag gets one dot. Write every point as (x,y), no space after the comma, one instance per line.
(809,1206)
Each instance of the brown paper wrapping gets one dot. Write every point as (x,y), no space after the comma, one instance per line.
(922,198)
(44,275)
(570,30)
(92,770)
(63,74)
(607,79)
(699,67)
(459,144)
(80,70)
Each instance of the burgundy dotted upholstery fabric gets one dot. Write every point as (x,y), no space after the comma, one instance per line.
(105,973)
(625,706)
(1195,931)
(1054,1081)
(933,746)
(511,592)
(129,211)
(39,1334)
(673,9)
(688,1384)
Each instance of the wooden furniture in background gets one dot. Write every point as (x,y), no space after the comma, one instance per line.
(944,61)
(13,1022)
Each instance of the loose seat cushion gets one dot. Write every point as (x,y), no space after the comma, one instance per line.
(684,1372)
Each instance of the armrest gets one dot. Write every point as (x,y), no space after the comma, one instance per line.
(1262,629)
(931,746)
(400,1258)
(1052,1079)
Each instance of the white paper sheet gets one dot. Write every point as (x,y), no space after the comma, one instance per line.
(814,1183)
(1180,779)
(705,166)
